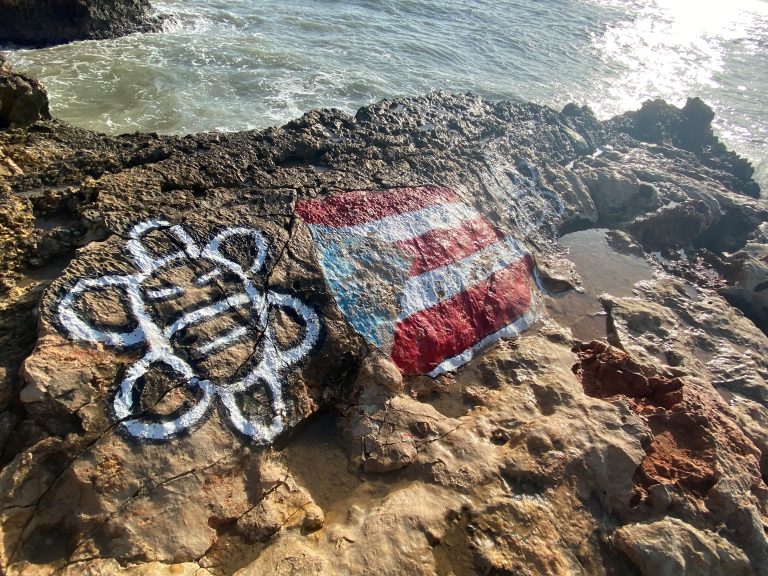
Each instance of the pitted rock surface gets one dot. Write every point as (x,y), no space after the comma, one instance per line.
(177,326)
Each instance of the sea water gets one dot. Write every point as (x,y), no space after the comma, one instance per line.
(244,64)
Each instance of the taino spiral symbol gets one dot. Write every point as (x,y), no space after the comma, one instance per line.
(249,300)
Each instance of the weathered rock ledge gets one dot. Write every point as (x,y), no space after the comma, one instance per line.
(215,350)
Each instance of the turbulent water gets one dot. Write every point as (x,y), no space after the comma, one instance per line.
(245,64)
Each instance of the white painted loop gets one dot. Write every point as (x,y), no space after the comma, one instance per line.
(157,339)
(212,250)
(125,404)
(82,330)
(311,327)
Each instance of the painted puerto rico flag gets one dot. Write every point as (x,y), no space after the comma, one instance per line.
(420,274)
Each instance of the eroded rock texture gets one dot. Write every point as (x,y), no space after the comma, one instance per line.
(338,347)
(47,22)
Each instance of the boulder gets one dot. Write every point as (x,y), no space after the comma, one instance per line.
(670,547)
(23,100)
(747,275)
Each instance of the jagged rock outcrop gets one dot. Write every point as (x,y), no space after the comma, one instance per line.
(689,128)
(335,347)
(23,100)
(47,22)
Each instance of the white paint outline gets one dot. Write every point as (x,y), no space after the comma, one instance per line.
(159,350)
(430,288)
(509,331)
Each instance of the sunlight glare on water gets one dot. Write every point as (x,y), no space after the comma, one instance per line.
(671,44)
(674,49)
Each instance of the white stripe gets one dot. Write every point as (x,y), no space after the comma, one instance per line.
(162,293)
(197,316)
(509,331)
(431,288)
(205,278)
(410,225)
(232,336)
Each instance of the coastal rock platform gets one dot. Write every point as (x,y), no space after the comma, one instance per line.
(442,336)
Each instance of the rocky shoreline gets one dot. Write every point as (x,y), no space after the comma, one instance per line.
(135,442)
(39,23)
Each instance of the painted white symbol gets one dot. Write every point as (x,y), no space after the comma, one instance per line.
(157,340)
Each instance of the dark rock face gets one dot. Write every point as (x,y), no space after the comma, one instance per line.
(47,22)
(689,128)
(23,100)
(201,299)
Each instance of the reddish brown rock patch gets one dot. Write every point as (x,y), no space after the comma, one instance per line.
(681,453)
(606,371)
(682,450)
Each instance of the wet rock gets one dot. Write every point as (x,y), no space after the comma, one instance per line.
(658,211)
(47,22)
(23,100)
(615,195)
(747,277)
(689,128)
(623,243)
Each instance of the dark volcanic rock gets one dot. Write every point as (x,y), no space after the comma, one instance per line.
(689,128)
(47,22)
(23,100)
(209,298)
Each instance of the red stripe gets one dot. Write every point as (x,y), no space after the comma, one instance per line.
(351,208)
(437,248)
(425,339)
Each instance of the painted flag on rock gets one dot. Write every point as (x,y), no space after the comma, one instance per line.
(421,275)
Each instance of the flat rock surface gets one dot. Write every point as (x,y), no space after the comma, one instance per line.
(356,345)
